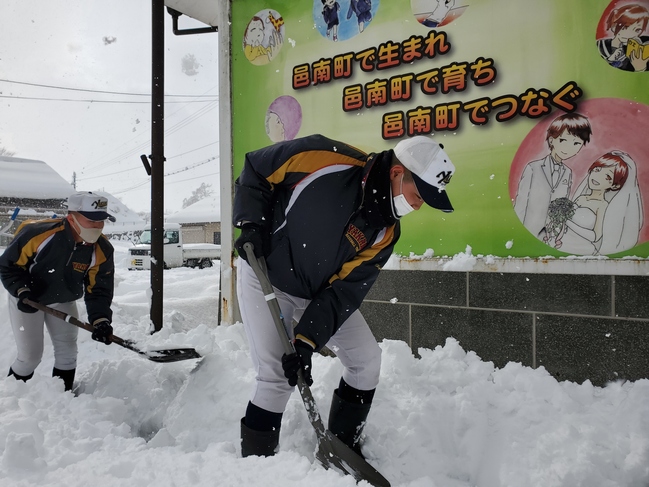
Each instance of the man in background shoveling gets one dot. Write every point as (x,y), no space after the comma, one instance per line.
(325,216)
(55,262)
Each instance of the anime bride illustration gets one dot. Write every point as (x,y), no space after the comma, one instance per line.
(606,214)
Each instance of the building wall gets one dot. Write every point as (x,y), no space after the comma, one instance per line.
(200,232)
(576,326)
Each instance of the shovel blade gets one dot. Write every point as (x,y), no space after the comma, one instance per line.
(172,355)
(333,453)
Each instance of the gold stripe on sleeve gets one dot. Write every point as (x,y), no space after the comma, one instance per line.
(311,161)
(31,247)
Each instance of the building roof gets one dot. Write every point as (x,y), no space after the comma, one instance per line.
(29,178)
(207,210)
(125,219)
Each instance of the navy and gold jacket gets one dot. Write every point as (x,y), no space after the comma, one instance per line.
(44,257)
(326,208)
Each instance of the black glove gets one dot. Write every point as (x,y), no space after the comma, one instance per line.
(301,359)
(253,233)
(102,330)
(25,293)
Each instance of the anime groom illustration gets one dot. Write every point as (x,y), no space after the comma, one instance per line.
(548,179)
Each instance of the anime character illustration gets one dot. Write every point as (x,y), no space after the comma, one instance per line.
(330,15)
(363,11)
(440,10)
(283,119)
(275,127)
(260,45)
(548,179)
(338,20)
(606,215)
(628,49)
(437,13)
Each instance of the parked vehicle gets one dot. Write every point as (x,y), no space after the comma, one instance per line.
(176,253)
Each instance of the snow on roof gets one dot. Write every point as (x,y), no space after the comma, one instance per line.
(207,210)
(126,219)
(29,178)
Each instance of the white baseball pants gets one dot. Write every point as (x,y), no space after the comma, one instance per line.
(28,331)
(353,343)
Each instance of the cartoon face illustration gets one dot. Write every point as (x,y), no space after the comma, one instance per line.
(621,35)
(328,3)
(275,127)
(263,37)
(283,119)
(601,178)
(630,31)
(565,145)
(254,32)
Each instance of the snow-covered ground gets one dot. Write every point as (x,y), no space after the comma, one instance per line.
(447,419)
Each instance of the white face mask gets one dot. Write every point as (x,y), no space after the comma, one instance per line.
(401,205)
(88,235)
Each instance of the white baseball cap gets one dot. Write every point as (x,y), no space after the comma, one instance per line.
(90,205)
(431,169)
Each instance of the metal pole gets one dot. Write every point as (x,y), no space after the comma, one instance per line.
(157,161)
(228,302)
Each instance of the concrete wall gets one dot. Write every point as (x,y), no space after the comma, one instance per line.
(576,326)
(200,232)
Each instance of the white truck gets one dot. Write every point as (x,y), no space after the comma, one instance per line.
(176,254)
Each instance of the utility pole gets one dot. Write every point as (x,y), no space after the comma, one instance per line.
(157,161)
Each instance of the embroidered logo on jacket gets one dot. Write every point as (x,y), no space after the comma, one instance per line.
(80,266)
(356,238)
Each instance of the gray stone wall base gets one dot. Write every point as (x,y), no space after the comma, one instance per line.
(579,327)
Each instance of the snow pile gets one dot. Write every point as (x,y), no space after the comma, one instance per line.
(463,261)
(447,419)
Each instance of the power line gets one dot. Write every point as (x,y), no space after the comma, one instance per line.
(193,150)
(191,179)
(101,101)
(186,168)
(139,185)
(142,146)
(139,167)
(96,91)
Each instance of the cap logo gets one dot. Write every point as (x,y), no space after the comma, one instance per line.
(444,177)
(99,204)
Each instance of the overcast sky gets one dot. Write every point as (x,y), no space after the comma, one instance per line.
(55,51)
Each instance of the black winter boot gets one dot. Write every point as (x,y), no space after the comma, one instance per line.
(347,419)
(23,378)
(259,443)
(66,375)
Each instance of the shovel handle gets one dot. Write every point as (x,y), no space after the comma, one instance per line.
(258,266)
(74,321)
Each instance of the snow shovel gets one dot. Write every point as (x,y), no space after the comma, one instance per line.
(332,452)
(163,356)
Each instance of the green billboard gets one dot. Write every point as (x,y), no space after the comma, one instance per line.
(542,105)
